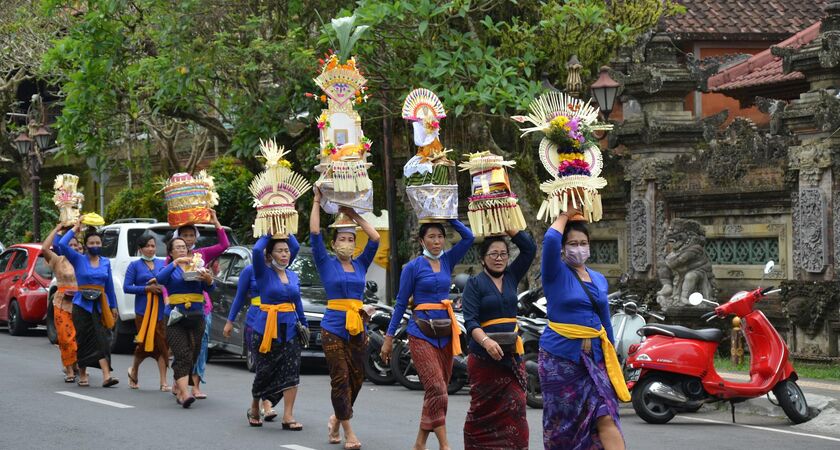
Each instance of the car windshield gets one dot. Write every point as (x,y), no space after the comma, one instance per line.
(304,266)
(207,237)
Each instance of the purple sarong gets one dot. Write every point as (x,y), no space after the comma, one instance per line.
(575,395)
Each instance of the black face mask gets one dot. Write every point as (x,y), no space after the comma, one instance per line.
(493,273)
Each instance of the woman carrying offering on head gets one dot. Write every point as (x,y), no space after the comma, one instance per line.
(62,303)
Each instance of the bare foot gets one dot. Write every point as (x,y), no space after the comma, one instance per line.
(332,430)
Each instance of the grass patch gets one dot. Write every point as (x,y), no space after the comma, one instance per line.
(816,371)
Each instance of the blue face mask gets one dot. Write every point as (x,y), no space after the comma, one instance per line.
(95,251)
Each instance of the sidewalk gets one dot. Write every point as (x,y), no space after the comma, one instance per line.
(823,398)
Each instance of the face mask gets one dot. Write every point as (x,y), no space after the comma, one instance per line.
(576,256)
(147,258)
(95,251)
(344,250)
(429,254)
(493,273)
(278,266)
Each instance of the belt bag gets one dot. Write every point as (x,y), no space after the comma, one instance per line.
(435,328)
(506,340)
(91,295)
(68,296)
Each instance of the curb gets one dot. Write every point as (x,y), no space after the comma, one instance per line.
(825,411)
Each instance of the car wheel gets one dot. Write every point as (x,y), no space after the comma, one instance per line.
(17,326)
(52,333)
(122,342)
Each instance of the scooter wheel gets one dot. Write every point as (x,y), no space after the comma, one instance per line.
(792,401)
(647,406)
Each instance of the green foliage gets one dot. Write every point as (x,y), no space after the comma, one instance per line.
(145,201)
(16,219)
(235,207)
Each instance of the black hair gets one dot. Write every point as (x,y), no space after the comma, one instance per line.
(91,233)
(484,247)
(270,247)
(424,228)
(338,230)
(144,239)
(184,227)
(577,225)
(171,242)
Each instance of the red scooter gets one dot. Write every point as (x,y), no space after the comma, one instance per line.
(673,367)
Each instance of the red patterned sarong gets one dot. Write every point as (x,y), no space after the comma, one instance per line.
(434,367)
(497,415)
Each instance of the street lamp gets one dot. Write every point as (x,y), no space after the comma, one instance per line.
(28,148)
(604,90)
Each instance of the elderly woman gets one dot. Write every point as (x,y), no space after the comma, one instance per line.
(343,335)
(186,323)
(141,281)
(433,332)
(94,304)
(496,418)
(579,372)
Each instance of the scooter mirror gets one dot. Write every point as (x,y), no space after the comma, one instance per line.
(769,267)
(624,278)
(695,299)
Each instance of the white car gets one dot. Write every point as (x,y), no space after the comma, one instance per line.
(119,244)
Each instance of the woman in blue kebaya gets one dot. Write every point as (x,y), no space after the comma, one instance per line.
(141,281)
(94,304)
(186,322)
(343,335)
(432,340)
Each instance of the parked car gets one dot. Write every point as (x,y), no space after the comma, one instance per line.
(24,276)
(229,265)
(119,244)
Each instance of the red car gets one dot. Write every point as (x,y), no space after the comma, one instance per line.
(24,277)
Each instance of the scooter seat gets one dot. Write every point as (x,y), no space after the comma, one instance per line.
(705,334)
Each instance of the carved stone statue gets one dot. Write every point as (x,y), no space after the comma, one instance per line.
(686,268)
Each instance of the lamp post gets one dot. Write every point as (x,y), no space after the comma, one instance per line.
(29,149)
(605,90)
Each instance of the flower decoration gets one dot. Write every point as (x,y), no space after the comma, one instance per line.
(284,163)
(568,134)
(323,121)
(573,167)
(366,143)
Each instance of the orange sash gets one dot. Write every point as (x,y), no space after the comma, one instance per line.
(446,305)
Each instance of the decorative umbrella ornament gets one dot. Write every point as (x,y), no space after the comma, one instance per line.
(493,208)
(275,192)
(189,199)
(67,198)
(569,152)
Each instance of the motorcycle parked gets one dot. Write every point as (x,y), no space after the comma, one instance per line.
(531,330)
(375,369)
(675,369)
(628,318)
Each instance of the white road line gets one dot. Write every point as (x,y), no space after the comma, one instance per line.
(754,427)
(94,399)
(296,447)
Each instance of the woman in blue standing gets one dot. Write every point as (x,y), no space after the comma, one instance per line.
(343,335)
(141,281)
(579,373)
(94,304)
(184,331)
(427,278)
(277,359)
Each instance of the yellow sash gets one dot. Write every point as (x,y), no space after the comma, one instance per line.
(446,305)
(571,331)
(146,334)
(353,321)
(185,299)
(107,318)
(520,347)
(270,332)
(256,301)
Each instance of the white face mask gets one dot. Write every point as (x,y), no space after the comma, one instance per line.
(278,266)
(429,254)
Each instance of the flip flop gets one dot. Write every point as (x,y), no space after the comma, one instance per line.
(110,382)
(186,403)
(253,421)
(132,380)
(294,426)
(330,434)
(165,388)
(200,396)
(84,383)
(270,415)
(70,379)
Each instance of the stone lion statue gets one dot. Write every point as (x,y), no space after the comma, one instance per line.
(686,268)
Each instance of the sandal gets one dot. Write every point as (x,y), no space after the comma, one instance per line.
(83,383)
(70,379)
(200,395)
(333,436)
(165,388)
(110,382)
(253,421)
(293,425)
(186,403)
(132,380)
(270,415)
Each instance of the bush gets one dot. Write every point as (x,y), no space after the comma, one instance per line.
(16,219)
(144,201)
(235,207)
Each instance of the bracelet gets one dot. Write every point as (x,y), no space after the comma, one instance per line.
(482,341)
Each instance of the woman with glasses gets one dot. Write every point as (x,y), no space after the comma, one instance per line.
(496,418)
(186,322)
(141,281)
(579,373)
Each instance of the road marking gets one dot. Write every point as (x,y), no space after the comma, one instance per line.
(94,399)
(755,427)
(296,447)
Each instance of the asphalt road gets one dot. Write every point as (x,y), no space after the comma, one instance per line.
(40,411)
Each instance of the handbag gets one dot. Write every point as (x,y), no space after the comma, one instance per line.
(506,340)
(303,335)
(434,328)
(91,295)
